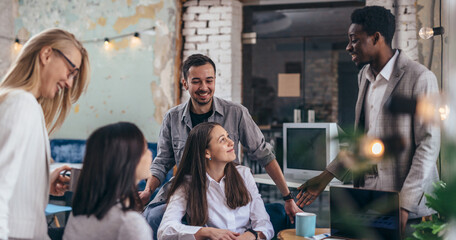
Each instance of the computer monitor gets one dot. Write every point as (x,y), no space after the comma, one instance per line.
(308,148)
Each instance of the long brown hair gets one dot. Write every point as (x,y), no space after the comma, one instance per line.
(108,175)
(194,164)
(24,74)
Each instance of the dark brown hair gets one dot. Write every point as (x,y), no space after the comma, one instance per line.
(108,174)
(195,60)
(376,19)
(194,163)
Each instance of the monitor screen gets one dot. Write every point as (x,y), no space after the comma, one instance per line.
(306,148)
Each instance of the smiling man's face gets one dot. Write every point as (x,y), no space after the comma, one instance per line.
(360,45)
(200,84)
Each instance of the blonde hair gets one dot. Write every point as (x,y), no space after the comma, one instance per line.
(24,74)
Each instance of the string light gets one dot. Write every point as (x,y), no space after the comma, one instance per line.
(427,32)
(17,45)
(107,44)
(135,39)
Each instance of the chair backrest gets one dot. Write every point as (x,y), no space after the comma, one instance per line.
(72,150)
(278,217)
(67,150)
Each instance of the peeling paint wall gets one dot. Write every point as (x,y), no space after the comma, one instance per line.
(6,29)
(131,81)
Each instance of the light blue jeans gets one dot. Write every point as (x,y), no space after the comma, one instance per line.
(154,213)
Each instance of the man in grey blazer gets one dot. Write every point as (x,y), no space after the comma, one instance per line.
(385,72)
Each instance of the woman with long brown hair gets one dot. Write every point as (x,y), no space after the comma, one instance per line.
(49,74)
(219,199)
(106,201)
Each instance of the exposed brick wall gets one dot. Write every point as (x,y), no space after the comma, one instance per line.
(405,37)
(213,28)
(321,84)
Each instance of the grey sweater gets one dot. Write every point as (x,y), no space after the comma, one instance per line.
(116,224)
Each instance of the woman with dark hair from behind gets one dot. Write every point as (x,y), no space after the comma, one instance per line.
(106,200)
(219,199)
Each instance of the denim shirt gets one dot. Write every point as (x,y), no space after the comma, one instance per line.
(234,117)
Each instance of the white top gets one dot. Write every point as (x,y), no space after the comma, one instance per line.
(116,224)
(24,167)
(375,93)
(253,215)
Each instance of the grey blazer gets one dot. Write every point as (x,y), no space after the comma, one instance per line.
(417,162)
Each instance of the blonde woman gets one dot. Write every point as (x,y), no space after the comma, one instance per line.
(36,94)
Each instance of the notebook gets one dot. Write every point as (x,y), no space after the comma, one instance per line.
(364,214)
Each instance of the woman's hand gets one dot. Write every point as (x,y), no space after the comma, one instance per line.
(246,236)
(216,234)
(59,184)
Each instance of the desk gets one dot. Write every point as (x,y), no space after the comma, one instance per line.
(264,178)
(290,234)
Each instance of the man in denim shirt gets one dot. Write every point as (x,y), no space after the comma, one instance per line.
(199,80)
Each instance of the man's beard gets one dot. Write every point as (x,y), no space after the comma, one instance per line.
(203,103)
(361,65)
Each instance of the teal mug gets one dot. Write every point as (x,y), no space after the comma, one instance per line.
(305,224)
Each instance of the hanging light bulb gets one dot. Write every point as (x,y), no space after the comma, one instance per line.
(135,40)
(107,44)
(427,32)
(17,45)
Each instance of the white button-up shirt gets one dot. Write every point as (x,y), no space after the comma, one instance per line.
(375,93)
(253,215)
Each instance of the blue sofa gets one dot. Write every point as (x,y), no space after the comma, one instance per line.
(72,150)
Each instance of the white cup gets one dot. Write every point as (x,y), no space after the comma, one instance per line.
(297,115)
(311,116)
